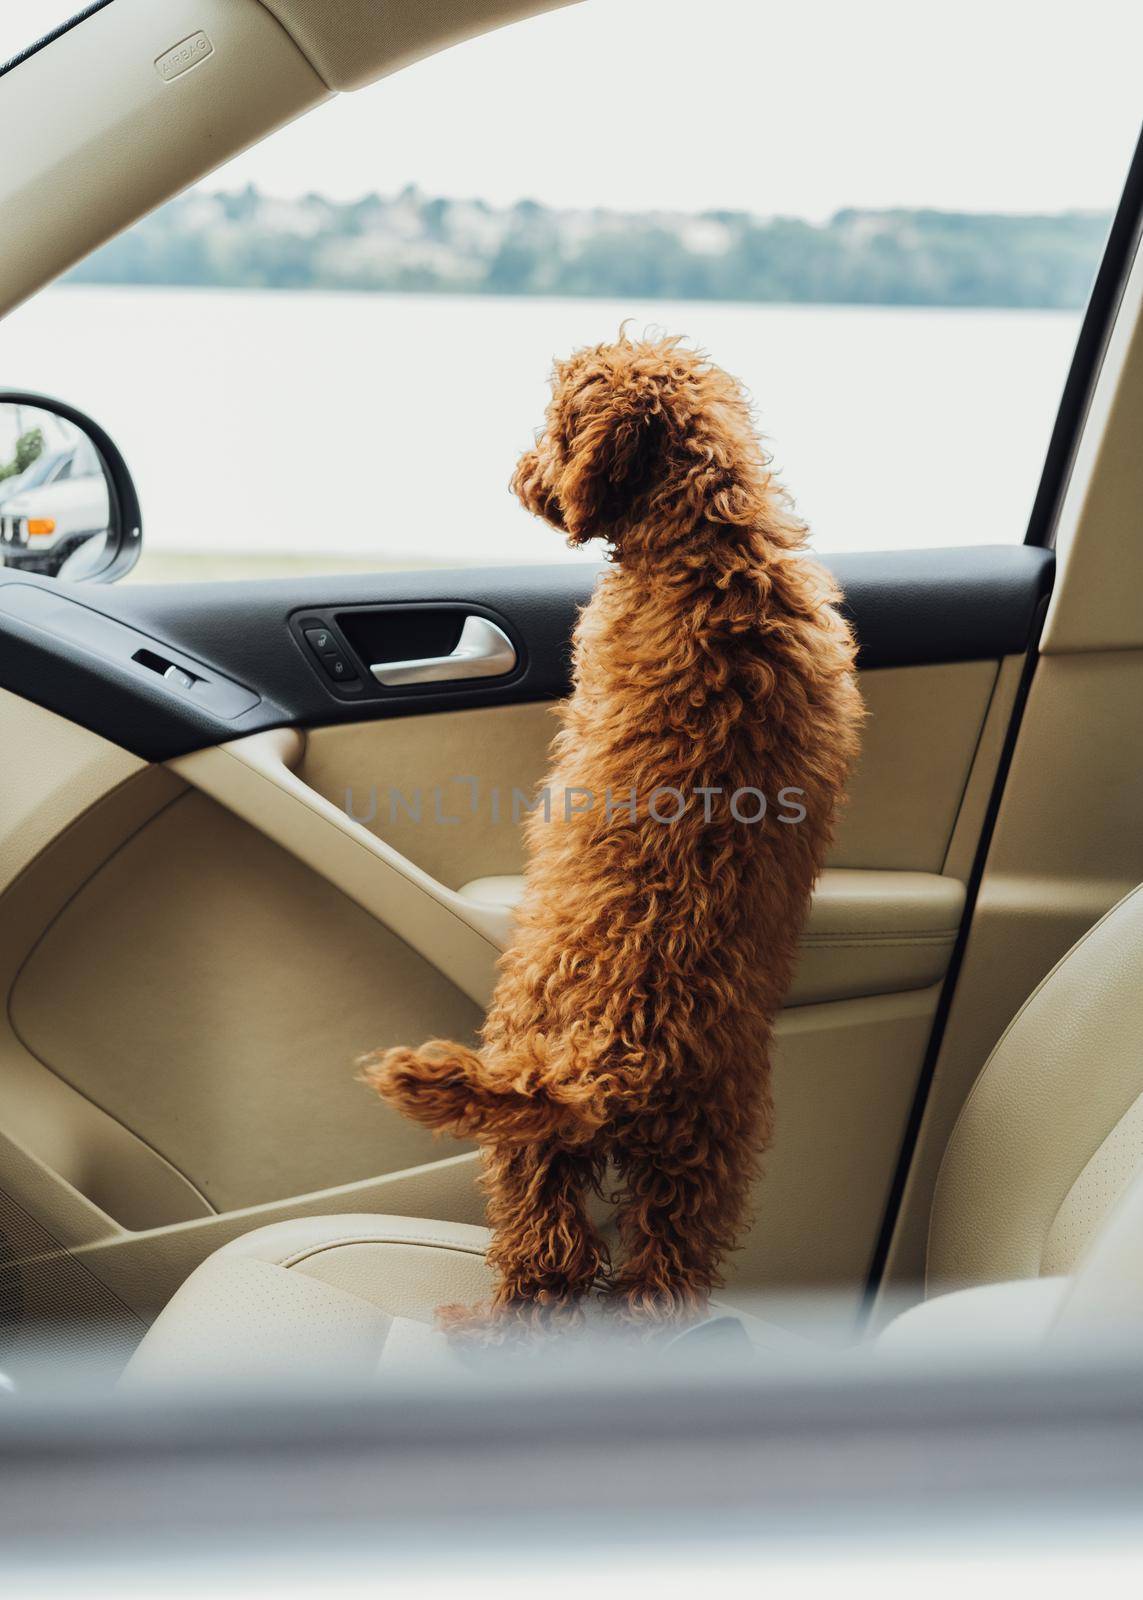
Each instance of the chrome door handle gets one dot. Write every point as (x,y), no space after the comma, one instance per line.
(483,651)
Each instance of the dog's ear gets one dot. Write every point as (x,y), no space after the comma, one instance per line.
(533,485)
(613,436)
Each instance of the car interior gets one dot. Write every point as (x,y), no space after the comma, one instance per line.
(252,829)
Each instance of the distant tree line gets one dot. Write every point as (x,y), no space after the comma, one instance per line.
(414,243)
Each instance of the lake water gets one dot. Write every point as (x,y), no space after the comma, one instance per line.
(300,430)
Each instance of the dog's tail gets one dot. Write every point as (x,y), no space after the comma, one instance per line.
(445,1087)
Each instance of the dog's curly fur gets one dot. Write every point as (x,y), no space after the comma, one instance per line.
(631,1026)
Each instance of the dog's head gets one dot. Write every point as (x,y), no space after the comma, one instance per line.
(633,428)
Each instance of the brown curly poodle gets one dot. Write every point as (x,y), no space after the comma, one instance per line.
(630,1030)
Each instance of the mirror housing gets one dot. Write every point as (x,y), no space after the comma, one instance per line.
(68,505)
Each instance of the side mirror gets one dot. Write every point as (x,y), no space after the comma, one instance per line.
(68,507)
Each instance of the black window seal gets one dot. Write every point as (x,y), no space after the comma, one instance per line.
(1099,318)
(55,33)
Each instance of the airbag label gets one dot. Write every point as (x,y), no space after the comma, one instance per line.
(183,56)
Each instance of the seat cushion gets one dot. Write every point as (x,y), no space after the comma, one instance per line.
(350,1296)
(994,1318)
(1035,1161)
(347,1295)
(339,1294)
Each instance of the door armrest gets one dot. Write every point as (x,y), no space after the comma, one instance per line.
(867,933)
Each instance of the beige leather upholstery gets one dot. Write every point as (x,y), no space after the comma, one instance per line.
(1045,1149)
(989,1319)
(1051,1133)
(1101,1300)
(53,771)
(1104,1298)
(1097,1189)
(354,1297)
(346,1296)
(335,1294)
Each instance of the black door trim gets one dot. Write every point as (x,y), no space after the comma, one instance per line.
(1099,317)
(908,607)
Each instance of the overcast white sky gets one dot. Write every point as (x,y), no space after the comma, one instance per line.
(770,105)
(798,106)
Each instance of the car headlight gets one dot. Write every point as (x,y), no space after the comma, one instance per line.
(41,527)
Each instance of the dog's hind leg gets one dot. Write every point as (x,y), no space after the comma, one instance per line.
(680,1210)
(545,1251)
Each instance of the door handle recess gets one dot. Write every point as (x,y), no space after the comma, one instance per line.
(483,651)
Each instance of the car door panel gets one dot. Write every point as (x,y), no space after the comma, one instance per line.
(909,608)
(53,771)
(215,996)
(918,746)
(226,912)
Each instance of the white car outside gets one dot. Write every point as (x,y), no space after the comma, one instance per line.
(55,506)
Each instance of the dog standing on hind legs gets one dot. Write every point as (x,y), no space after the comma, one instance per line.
(631,1025)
